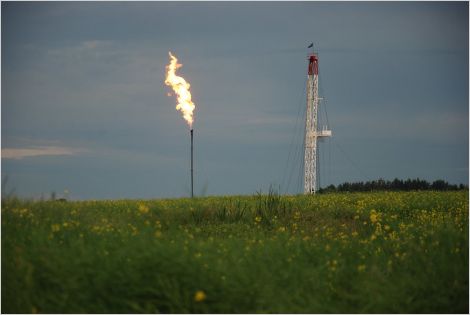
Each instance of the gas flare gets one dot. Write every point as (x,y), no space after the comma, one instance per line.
(181,89)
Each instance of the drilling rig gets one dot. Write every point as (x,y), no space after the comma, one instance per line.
(312,131)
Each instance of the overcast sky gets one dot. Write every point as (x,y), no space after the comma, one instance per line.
(85,108)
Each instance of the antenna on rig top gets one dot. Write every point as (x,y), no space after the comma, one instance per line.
(312,132)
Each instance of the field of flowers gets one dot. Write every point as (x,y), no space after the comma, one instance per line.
(332,253)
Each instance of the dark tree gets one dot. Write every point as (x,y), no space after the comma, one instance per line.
(395,185)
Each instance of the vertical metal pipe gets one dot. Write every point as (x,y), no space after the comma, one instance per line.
(192,191)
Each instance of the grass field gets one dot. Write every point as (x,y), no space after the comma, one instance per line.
(362,252)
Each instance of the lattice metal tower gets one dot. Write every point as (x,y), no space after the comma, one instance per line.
(312,132)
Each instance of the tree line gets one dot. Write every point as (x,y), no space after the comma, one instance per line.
(394,185)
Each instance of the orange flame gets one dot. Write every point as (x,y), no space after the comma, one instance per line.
(181,89)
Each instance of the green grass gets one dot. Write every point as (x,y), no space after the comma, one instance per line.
(335,253)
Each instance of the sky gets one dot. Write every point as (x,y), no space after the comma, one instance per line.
(85,111)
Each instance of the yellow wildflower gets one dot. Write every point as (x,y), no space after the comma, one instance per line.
(257,219)
(373,216)
(199,296)
(361,268)
(332,264)
(143,208)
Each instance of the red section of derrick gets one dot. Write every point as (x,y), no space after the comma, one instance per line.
(313,65)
